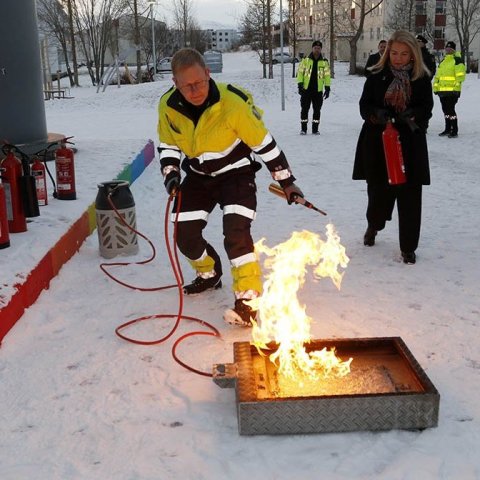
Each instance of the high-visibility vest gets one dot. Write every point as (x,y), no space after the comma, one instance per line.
(450,75)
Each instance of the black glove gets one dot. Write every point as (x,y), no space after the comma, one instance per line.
(300,89)
(172,182)
(291,192)
(327,92)
(380,116)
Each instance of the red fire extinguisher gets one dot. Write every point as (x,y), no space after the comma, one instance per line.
(4,237)
(11,177)
(38,172)
(393,155)
(65,170)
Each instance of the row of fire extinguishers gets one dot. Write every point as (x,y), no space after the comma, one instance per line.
(24,185)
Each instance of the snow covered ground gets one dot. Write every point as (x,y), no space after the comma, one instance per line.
(77,402)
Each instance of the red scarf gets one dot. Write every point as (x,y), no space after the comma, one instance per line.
(399,91)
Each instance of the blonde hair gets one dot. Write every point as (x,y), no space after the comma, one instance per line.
(186,57)
(418,67)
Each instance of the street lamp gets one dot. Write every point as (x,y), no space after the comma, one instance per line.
(153,40)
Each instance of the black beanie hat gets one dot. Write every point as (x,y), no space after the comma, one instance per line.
(317,43)
(422,39)
(451,45)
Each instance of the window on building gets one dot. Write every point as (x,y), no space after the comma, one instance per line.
(378,33)
(421,7)
(371,34)
(440,7)
(439,32)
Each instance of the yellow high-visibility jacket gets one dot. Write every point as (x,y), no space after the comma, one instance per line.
(449,76)
(305,72)
(221,139)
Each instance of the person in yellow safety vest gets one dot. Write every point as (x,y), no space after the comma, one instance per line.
(211,131)
(448,85)
(312,76)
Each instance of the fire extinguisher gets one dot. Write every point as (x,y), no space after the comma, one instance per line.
(11,176)
(393,155)
(65,170)
(38,172)
(4,237)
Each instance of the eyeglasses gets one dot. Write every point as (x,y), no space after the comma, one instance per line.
(194,87)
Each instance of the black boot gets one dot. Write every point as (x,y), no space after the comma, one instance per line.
(448,128)
(369,237)
(304,124)
(409,258)
(241,314)
(206,282)
(454,130)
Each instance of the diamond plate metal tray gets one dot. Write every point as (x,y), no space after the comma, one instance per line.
(404,398)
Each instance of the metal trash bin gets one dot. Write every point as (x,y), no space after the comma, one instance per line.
(114,237)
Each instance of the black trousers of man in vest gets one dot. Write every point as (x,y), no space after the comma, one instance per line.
(316,100)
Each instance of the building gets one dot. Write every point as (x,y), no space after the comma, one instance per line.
(222,40)
(429,18)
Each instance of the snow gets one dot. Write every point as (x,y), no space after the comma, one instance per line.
(77,402)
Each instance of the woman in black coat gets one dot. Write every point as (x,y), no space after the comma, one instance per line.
(399,89)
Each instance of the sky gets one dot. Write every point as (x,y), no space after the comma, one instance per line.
(78,402)
(211,13)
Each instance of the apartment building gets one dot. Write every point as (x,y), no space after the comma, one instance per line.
(429,18)
(222,39)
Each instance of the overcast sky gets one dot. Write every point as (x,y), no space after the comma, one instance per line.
(225,12)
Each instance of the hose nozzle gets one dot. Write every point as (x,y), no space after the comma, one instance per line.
(277,190)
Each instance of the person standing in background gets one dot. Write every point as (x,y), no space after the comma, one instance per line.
(448,85)
(313,75)
(428,58)
(398,90)
(374,58)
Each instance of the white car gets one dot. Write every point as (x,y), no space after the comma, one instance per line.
(164,65)
(277,58)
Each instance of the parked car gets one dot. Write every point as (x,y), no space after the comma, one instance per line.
(214,61)
(164,65)
(277,58)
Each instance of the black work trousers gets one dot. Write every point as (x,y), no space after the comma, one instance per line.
(235,193)
(448,106)
(316,100)
(381,201)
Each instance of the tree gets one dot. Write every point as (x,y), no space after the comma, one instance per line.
(291,23)
(356,29)
(54,21)
(95,25)
(402,15)
(465,16)
(256,27)
(183,18)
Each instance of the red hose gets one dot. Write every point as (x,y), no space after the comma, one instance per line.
(175,264)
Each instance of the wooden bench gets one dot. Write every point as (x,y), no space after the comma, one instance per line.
(56,93)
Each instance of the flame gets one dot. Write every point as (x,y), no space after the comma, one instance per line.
(282,319)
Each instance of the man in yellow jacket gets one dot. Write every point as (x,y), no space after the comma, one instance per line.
(312,76)
(448,85)
(210,130)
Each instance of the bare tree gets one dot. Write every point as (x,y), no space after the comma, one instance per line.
(291,23)
(402,15)
(355,28)
(72,42)
(256,27)
(183,18)
(465,16)
(94,20)
(53,20)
